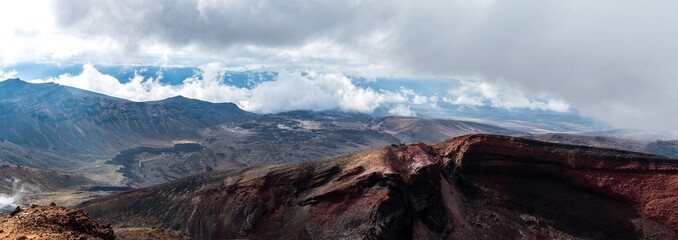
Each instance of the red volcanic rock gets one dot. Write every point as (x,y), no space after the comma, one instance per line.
(52,222)
(649,183)
(471,187)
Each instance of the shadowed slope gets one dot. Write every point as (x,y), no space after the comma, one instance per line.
(50,117)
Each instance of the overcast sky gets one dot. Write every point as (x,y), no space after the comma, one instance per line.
(613,60)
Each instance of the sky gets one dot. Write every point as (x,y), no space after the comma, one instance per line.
(614,61)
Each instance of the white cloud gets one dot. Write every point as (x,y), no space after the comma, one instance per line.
(402,110)
(19,189)
(7,75)
(296,91)
(419,99)
(30,34)
(290,91)
(474,91)
(591,54)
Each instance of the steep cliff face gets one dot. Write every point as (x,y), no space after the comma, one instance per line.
(375,193)
(582,191)
(471,187)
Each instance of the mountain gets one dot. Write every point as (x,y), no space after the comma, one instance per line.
(87,125)
(593,141)
(630,134)
(658,147)
(17,155)
(470,187)
(138,144)
(666,148)
(266,139)
(411,129)
(288,137)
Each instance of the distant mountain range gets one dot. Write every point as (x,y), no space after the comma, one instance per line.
(54,127)
(53,117)
(212,170)
(658,147)
(442,107)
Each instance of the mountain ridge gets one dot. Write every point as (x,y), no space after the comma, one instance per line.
(58,118)
(470,187)
(54,127)
(658,147)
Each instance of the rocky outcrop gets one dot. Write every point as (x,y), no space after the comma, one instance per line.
(52,222)
(471,187)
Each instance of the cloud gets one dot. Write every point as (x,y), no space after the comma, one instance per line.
(402,110)
(214,26)
(7,75)
(303,91)
(289,91)
(614,60)
(319,92)
(477,92)
(290,36)
(19,189)
(29,34)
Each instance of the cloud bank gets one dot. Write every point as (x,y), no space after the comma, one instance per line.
(477,92)
(614,60)
(301,91)
(289,91)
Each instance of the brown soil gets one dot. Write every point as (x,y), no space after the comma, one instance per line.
(52,222)
(148,234)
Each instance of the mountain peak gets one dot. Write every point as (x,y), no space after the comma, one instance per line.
(179,97)
(13,82)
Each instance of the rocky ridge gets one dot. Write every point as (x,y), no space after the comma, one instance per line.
(658,147)
(470,187)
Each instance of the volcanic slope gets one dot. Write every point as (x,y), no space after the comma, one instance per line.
(85,126)
(53,127)
(288,137)
(413,130)
(25,186)
(658,147)
(470,187)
